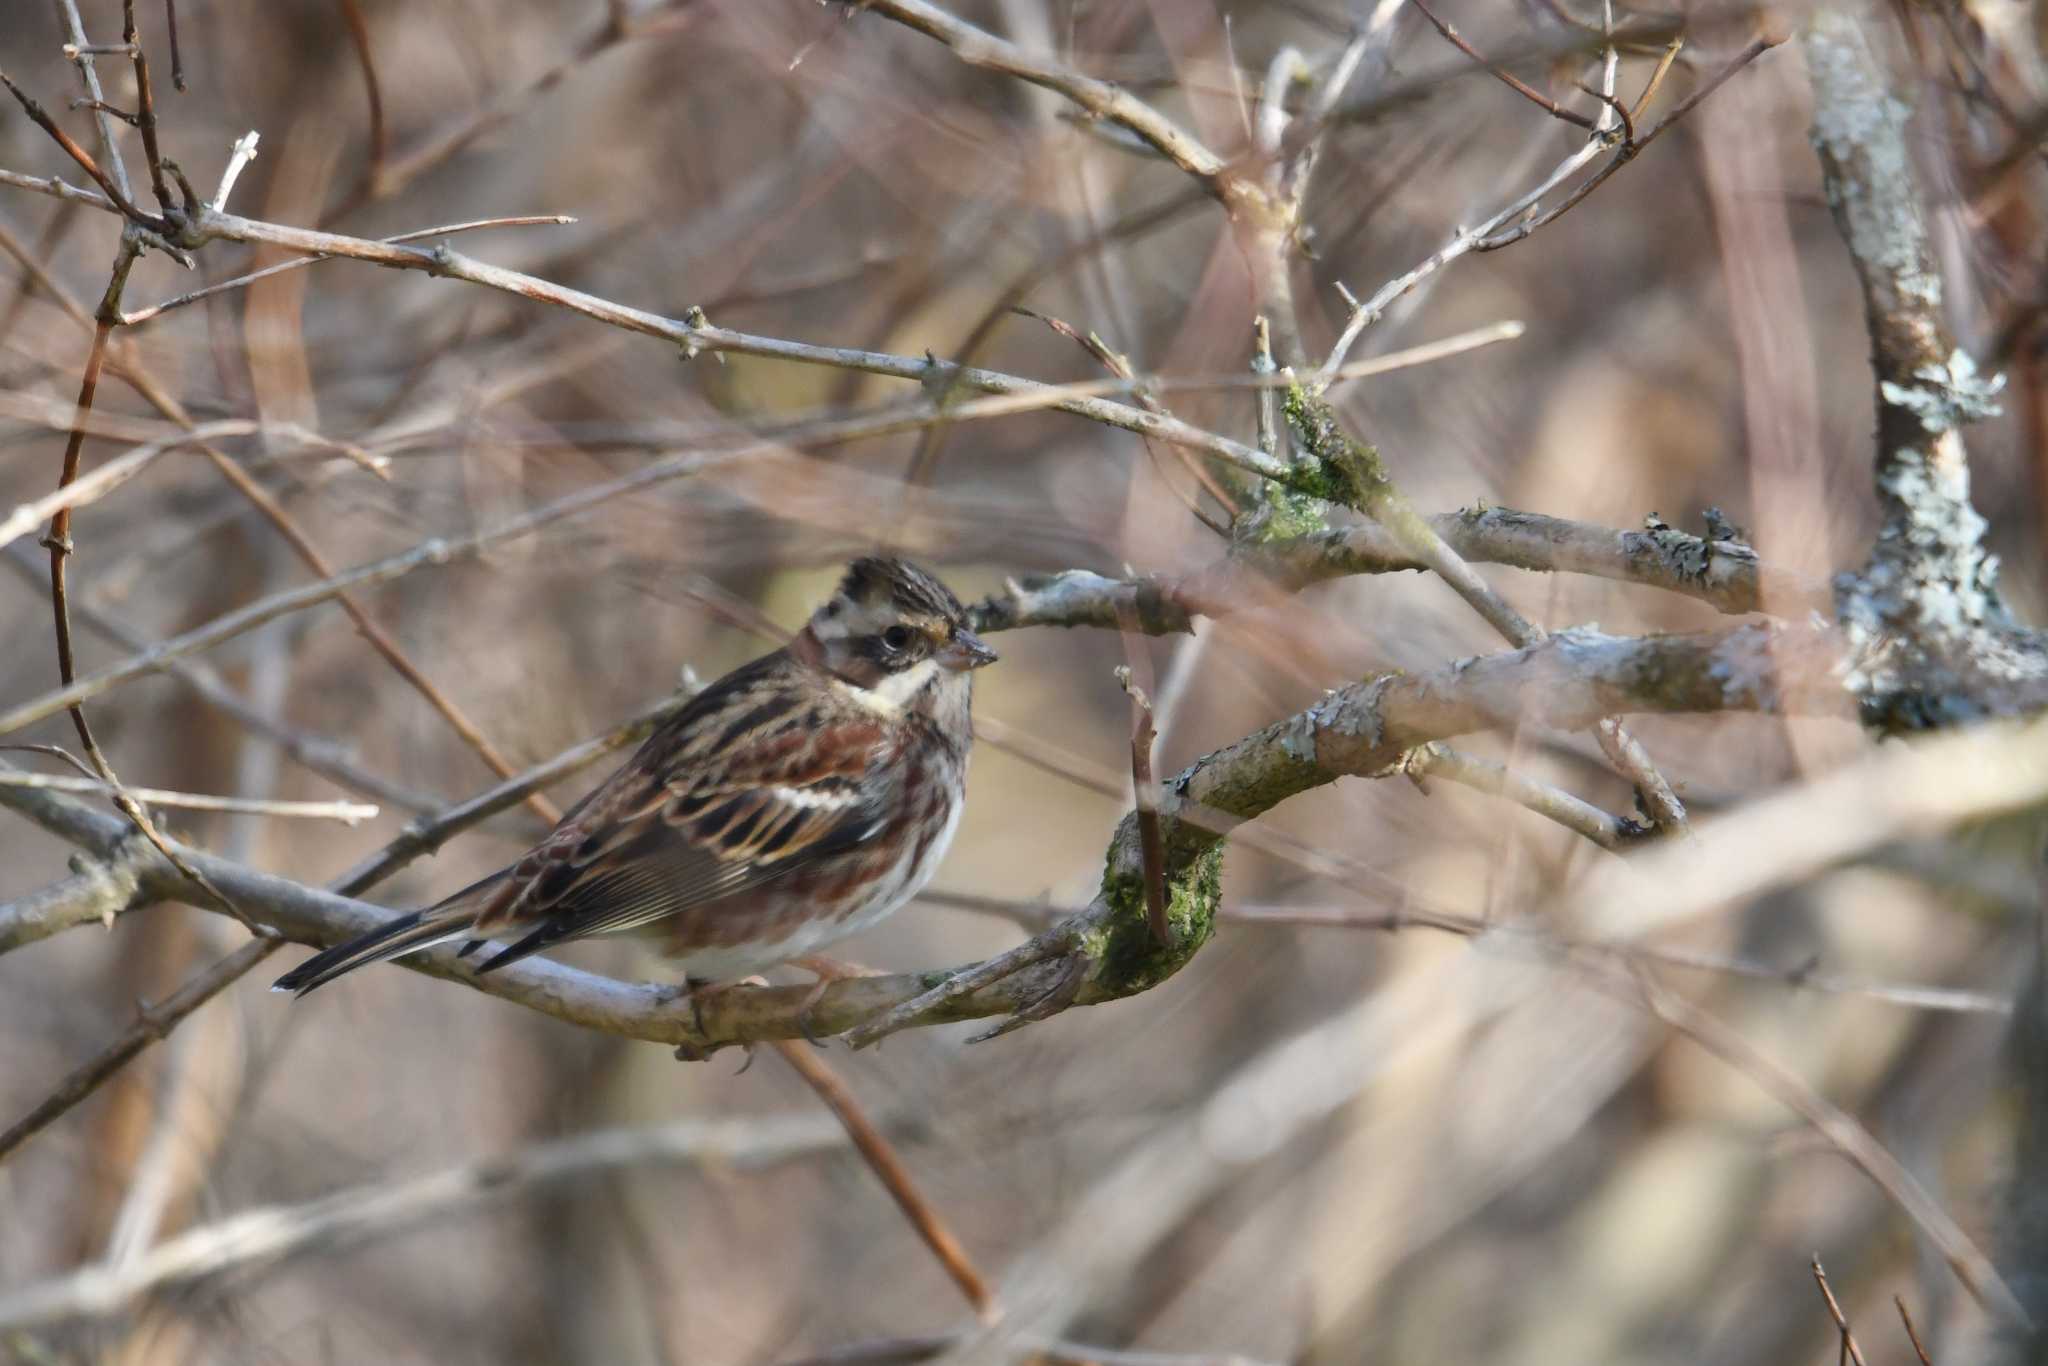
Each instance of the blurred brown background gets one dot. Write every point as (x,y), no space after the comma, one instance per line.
(1564,1181)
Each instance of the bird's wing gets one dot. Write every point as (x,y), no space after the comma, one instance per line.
(762,774)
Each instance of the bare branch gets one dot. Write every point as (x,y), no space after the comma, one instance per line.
(349,813)
(979,48)
(143,315)
(266,1237)
(880,1155)
(1355,474)
(153,1024)
(1849,1347)
(1725,574)
(1568,680)
(1435,760)
(1502,74)
(98,891)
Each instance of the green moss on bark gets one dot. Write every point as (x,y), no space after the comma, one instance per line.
(1129,959)
(1341,470)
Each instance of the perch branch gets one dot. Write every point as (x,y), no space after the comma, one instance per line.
(1568,680)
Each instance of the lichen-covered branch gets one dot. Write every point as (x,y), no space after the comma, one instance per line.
(1725,574)
(1108,952)
(1936,645)
(1351,472)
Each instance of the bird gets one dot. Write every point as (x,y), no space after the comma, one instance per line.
(800,798)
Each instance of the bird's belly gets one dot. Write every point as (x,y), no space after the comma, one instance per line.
(793,916)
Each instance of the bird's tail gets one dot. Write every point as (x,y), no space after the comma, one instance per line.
(443,921)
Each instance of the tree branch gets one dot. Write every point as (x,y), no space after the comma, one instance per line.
(1568,680)
(1100,99)
(267,1236)
(1726,575)
(1936,645)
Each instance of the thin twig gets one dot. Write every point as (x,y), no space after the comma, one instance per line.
(1756,47)
(143,315)
(359,39)
(1119,365)
(1912,1334)
(880,1155)
(1145,795)
(145,108)
(1441,761)
(1374,493)
(152,1025)
(267,1236)
(41,118)
(348,813)
(1059,940)
(396,173)
(1849,1347)
(1848,1137)
(239,157)
(1502,74)
(980,48)
(1491,234)
(319,753)
(177,57)
(1656,81)
(59,544)
(378,638)
(77,492)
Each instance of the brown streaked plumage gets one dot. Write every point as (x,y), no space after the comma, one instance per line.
(799,798)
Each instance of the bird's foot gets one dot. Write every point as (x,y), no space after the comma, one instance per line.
(696,990)
(827,971)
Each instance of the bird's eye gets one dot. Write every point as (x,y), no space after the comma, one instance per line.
(896,637)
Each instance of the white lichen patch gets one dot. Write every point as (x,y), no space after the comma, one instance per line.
(1953,393)
(1857,122)
(1744,668)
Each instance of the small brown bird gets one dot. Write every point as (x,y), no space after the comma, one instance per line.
(798,799)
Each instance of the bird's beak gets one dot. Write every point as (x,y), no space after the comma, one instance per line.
(965,651)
